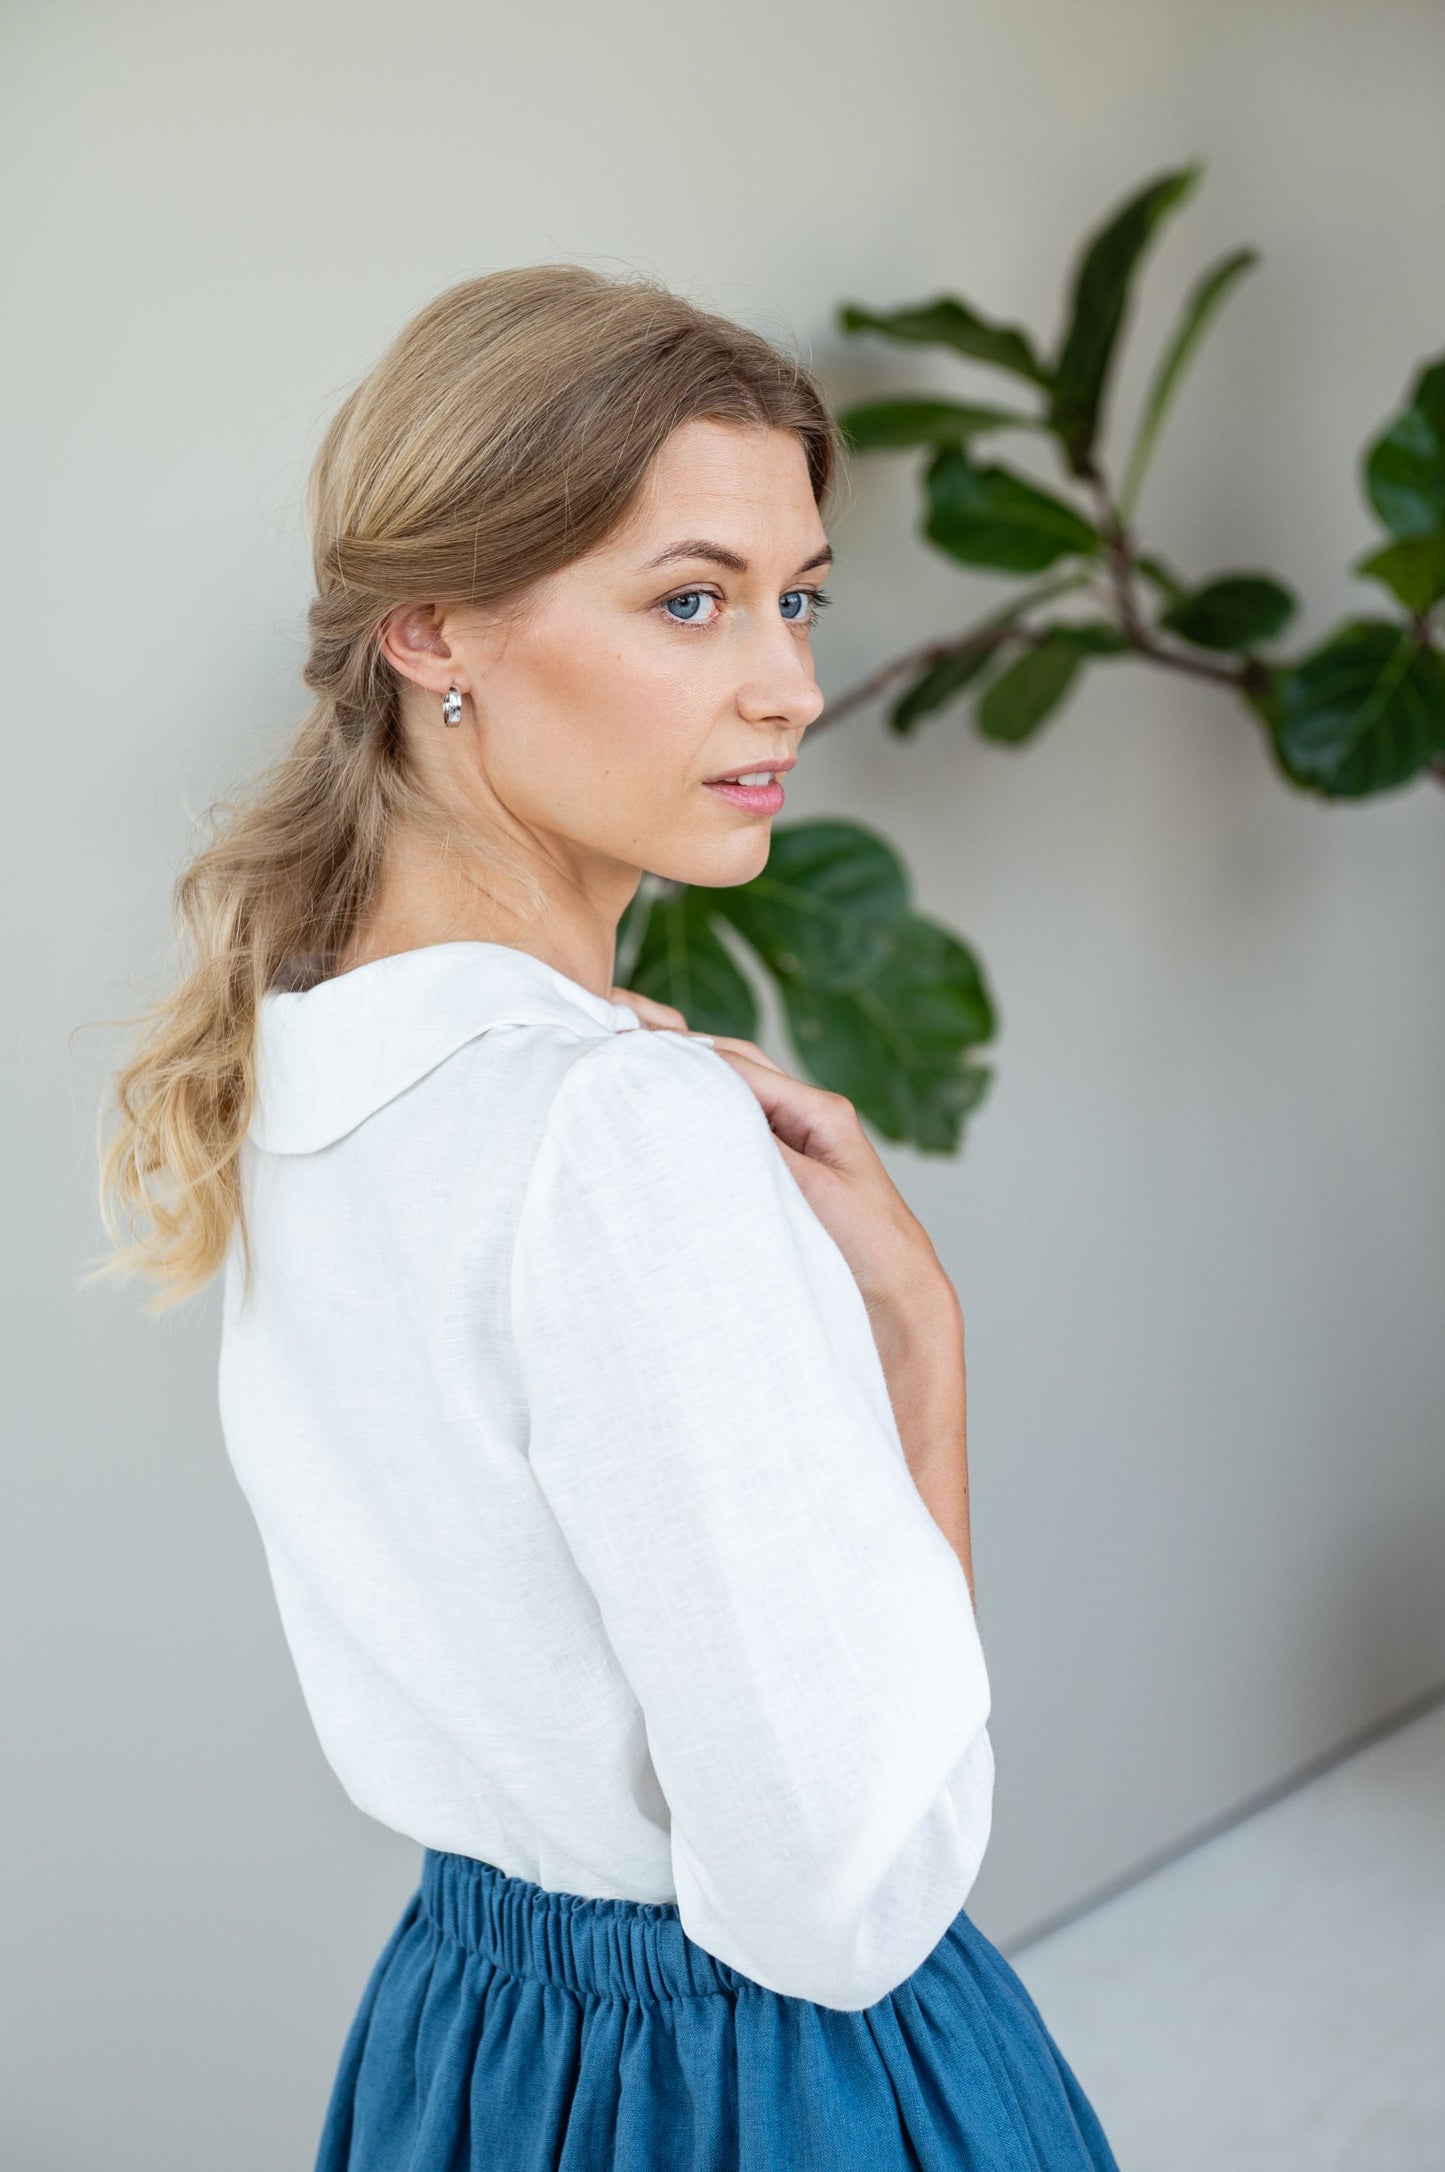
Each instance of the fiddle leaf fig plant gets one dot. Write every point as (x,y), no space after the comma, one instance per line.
(885,1005)
(1360,713)
(880,1003)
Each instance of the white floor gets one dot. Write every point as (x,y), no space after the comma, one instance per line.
(1274,2001)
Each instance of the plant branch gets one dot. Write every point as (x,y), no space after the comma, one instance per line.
(1247,677)
(911,664)
(1121,560)
(989,633)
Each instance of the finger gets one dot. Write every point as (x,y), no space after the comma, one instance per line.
(733,1044)
(650,1010)
(807,1118)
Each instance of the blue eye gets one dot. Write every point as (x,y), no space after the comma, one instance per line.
(690,598)
(815,598)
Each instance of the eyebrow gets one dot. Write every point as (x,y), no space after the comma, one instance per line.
(718,555)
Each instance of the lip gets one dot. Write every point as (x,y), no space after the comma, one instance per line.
(774,762)
(762,799)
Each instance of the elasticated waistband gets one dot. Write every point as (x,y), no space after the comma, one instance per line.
(606,1948)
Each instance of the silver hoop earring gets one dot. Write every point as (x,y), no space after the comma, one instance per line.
(452,707)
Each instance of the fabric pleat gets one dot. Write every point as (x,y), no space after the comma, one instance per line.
(506,2028)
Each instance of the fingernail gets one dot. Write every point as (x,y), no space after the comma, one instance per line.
(705,1037)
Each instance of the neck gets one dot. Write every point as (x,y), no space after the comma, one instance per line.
(422,900)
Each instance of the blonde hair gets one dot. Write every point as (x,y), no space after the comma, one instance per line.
(506,431)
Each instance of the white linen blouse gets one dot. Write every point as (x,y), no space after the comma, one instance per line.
(580,1490)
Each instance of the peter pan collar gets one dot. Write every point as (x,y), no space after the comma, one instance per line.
(330,1055)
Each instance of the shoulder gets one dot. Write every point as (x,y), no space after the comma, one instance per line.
(660,1093)
(653,1140)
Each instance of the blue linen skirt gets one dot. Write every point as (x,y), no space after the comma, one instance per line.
(506,2028)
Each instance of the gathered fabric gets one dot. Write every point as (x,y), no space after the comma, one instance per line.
(508,2028)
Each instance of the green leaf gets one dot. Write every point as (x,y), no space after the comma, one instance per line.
(1415,570)
(1236,612)
(1364,713)
(1405,468)
(1012,709)
(825,907)
(1163,577)
(1100,297)
(947,322)
(882,1004)
(1201,304)
(973,650)
(1094,637)
(940,683)
(898,1043)
(681,961)
(883,425)
(990,517)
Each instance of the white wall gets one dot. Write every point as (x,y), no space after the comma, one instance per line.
(1198,1232)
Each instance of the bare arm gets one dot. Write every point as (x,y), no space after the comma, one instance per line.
(920,1342)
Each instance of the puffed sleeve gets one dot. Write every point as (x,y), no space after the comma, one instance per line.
(709,1420)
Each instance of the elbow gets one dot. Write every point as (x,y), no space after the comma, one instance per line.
(834,1940)
(857,1955)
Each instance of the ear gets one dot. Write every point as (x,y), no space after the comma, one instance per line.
(412,641)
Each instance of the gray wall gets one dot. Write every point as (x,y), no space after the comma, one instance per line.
(1198,1233)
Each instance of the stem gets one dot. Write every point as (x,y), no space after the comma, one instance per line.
(988,633)
(912,663)
(1245,678)
(1122,562)
(1120,559)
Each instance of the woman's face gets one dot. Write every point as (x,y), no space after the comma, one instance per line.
(675,652)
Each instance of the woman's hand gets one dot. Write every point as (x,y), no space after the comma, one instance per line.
(649,1010)
(840,1174)
(836,1166)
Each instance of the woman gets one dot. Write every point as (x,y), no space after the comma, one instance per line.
(600,1402)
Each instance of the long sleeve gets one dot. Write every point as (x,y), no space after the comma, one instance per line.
(709,1421)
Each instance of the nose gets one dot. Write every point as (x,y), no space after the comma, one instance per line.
(780,685)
